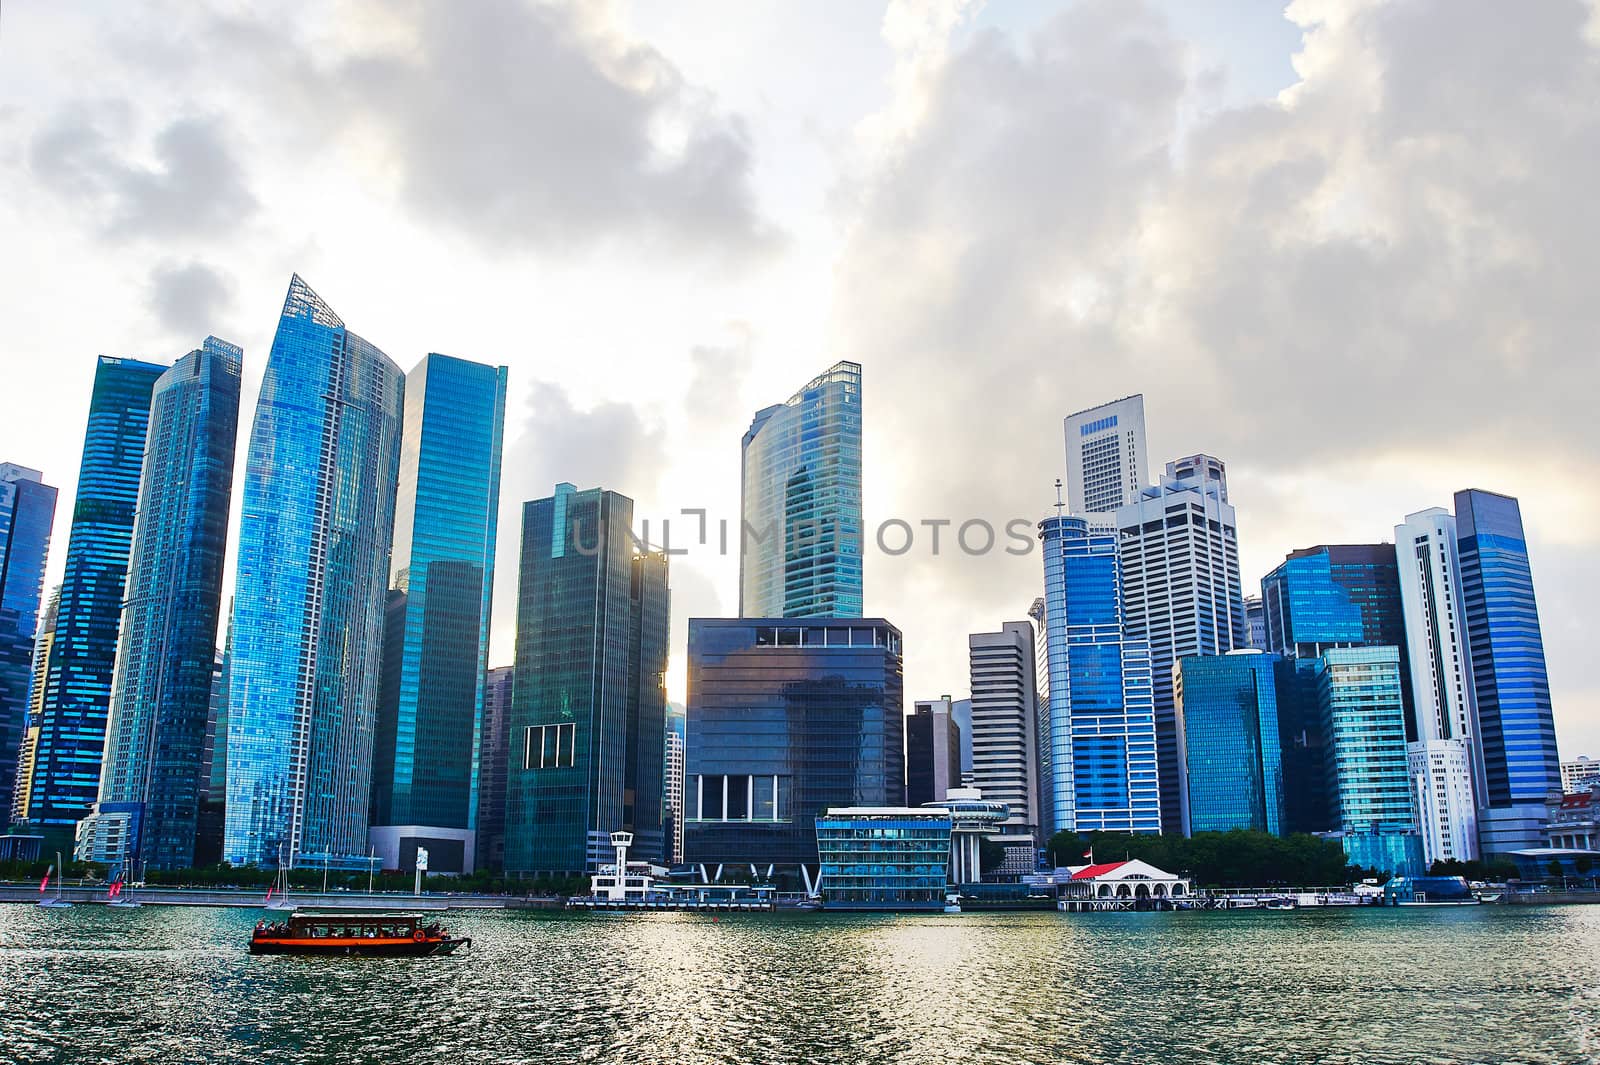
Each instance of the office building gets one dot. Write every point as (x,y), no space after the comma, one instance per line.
(1578,773)
(43,639)
(27,512)
(933,752)
(800,547)
(1181,591)
(786,719)
(493,769)
(1516,732)
(78,676)
(1362,717)
(1441,723)
(308,615)
(1003,735)
(156,758)
(672,795)
(1227,725)
(1255,622)
(883,858)
(1107,465)
(1096,730)
(588,710)
(426,771)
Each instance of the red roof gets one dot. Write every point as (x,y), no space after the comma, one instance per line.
(1090,872)
(1575,800)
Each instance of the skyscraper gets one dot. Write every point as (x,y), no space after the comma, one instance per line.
(154,768)
(933,752)
(425,765)
(77,693)
(1179,546)
(1005,765)
(27,510)
(1359,692)
(1445,770)
(492,768)
(800,548)
(314,545)
(672,794)
(1515,729)
(1227,727)
(22,793)
(588,710)
(1097,727)
(1255,622)
(1106,462)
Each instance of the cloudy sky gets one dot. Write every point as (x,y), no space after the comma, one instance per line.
(1350,247)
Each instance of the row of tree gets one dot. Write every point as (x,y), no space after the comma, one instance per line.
(1239,858)
(311,878)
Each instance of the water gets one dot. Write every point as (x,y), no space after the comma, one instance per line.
(1488,984)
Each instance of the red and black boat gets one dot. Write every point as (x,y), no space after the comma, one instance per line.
(380,935)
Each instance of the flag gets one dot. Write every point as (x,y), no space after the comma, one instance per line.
(269,892)
(1088,855)
(46,881)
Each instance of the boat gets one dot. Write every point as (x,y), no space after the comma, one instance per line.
(381,935)
(54,902)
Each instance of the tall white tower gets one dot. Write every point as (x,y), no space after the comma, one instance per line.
(1106,460)
(1004,748)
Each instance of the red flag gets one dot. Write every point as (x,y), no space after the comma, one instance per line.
(269,892)
(1089,855)
(46,881)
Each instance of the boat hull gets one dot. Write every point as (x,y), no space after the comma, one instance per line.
(345,948)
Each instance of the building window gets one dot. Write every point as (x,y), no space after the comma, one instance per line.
(550,746)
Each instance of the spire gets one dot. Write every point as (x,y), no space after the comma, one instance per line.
(303,302)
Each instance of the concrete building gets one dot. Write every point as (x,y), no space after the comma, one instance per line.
(1577,772)
(972,820)
(933,752)
(1004,740)
(1106,460)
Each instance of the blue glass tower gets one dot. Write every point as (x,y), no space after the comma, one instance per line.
(156,754)
(425,770)
(314,547)
(77,694)
(27,510)
(1227,724)
(1516,731)
(800,549)
(1097,734)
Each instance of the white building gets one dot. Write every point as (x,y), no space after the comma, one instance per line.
(1441,685)
(1004,745)
(672,799)
(1106,460)
(1578,773)
(1128,885)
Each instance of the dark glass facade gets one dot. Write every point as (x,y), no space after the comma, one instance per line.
(77,694)
(1227,723)
(588,708)
(27,511)
(784,720)
(933,753)
(492,769)
(883,859)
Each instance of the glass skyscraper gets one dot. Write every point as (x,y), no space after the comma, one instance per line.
(44,639)
(27,511)
(800,547)
(314,548)
(1096,725)
(787,718)
(425,768)
(588,707)
(493,751)
(77,694)
(1227,725)
(1516,732)
(1359,689)
(156,757)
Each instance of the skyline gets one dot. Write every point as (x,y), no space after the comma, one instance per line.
(621,422)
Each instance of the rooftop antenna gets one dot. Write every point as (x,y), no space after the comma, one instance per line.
(1059,504)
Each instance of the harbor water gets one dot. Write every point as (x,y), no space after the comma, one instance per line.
(1490,984)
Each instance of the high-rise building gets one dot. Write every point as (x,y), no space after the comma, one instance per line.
(1227,725)
(27,510)
(1578,772)
(672,795)
(961,714)
(933,751)
(77,693)
(1106,462)
(425,764)
(1181,592)
(313,569)
(154,769)
(1441,723)
(214,769)
(22,793)
(1516,732)
(800,547)
(787,718)
(1004,742)
(1362,716)
(1255,622)
(588,710)
(1097,728)
(493,769)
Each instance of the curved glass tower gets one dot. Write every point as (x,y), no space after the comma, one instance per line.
(151,780)
(800,550)
(314,543)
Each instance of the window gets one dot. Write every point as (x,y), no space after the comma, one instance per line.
(550,746)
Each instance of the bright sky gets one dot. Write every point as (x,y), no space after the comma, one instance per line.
(1350,248)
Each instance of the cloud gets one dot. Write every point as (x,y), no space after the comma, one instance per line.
(189,298)
(718,372)
(610,445)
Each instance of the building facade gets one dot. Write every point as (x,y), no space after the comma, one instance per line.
(77,691)
(1181,591)
(1515,732)
(1227,725)
(588,710)
(492,768)
(933,752)
(23,791)
(786,719)
(426,769)
(1578,772)
(672,794)
(800,547)
(1003,737)
(883,858)
(27,512)
(309,598)
(1107,465)
(1097,742)
(1364,721)
(154,772)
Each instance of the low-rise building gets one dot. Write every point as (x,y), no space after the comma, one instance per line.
(883,857)
(1574,822)
(1128,885)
